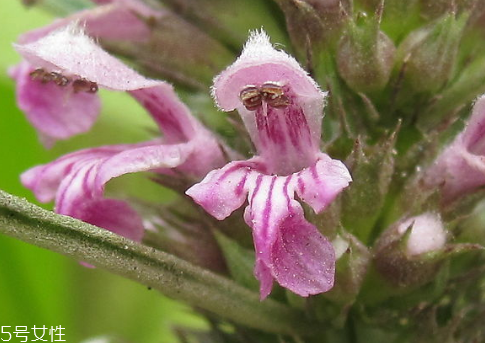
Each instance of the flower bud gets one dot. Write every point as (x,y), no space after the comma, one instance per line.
(365,58)
(428,54)
(405,253)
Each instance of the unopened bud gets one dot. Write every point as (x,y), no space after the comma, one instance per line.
(406,253)
(428,54)
(365,58)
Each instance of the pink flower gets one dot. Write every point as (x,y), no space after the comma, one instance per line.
(460,168)
(76,181)
(282,109)
(58,113)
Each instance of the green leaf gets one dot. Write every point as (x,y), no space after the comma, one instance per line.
(239,260)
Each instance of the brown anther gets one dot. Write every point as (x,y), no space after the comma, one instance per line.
(37,74)
(46,78)
(83,85)
(274,95)
(93,87)
(281,101)
(251,98)
(59,79)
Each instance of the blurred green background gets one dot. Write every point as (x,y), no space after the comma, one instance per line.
(39,287)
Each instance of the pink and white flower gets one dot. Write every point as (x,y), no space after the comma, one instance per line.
(76,181)
(282,109)
(58,113)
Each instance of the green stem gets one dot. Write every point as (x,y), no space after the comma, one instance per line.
(170,275)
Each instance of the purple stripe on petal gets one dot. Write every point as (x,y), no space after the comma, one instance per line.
(286,189)
(267,208)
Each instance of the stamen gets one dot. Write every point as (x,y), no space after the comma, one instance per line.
(37,74)
(274,95)
(59,79)
(46,77)
(251,98)
(83,85)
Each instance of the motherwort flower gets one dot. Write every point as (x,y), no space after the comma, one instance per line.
(460,168)
(55,108)
(128,27)
(76,181)
(281,107)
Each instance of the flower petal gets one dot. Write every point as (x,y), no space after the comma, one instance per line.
(319,184)
(139,159)
(98,22)
(223,190)
(474,133)
(71,52)
(113,215)
(171,115)
(263,274)
(303,260)
(290,248)
(56,112)
(77,181)
(70,178)
(286,133)
(457,171)
(44,180)
(74,53)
